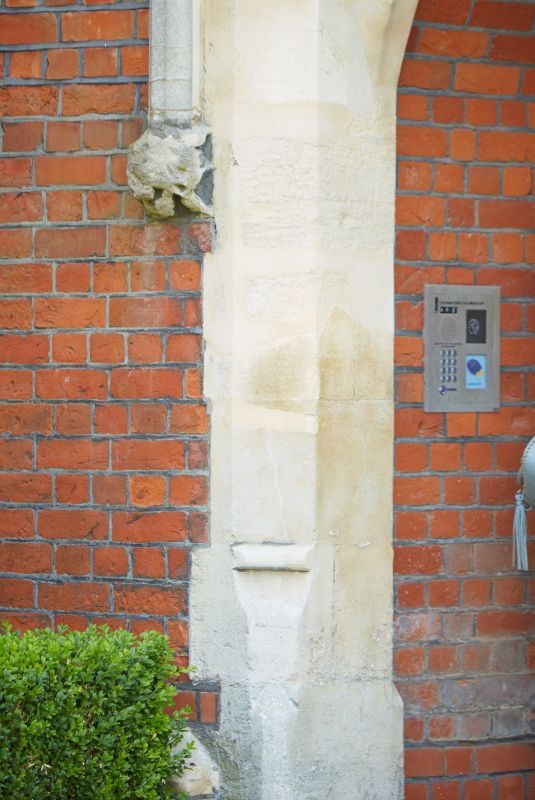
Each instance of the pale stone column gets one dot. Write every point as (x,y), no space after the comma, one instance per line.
(291,607)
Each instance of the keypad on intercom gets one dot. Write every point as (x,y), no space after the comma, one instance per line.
(448,365)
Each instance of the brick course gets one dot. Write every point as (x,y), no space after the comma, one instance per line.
(103,455)
(464,618)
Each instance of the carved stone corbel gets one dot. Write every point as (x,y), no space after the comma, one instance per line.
(169,163)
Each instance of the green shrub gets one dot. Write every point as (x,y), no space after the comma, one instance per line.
(82,716)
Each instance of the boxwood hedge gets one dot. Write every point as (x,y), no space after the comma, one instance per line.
(82,716)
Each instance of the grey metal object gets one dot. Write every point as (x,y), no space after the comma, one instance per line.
(462,348)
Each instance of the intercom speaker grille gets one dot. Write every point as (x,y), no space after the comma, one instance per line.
(449,330)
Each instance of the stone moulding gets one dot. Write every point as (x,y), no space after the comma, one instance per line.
(168,164)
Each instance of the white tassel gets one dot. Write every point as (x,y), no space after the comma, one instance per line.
(520,534)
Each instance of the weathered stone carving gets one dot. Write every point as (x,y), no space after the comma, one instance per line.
(169,163)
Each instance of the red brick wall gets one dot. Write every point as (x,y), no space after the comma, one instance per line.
(103,448)
(465,618)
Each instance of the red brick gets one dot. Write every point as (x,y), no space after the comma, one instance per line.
(17,349)
(64,206)
(507,248)
(22,136)
(16,523)
(414,175)
(447,110)
(506,146)
(135,60)
(188,490)
(443,593)
(473,248)
(100,134)
(110,561)
(208,707)
(148,418)
(486,79)
(446,790)
(16,488)
(185,276)
(25,557)
(507,16)
(72,560)
(449,178)
(103,205)
(146,383)
(148,455)
(420,210)
(149,562)
(61,136)
(70,312)
(16,593)
(421,141)
(145,348)
(70,524)
(455,13)
(442,246)
(410,661)
(109,490)
(511,787)
(410,457)
(514,113)
(15,384)
(453,43)
(505,623)
(135,240)
(15,314)
(194,384)
(417,560)
(15,243)
(168,601)
(410,245)
(15,172)
(73,419)
(517,181)
(69,348)
(111,419)
(444,523)
(147,490)
(98,99)
(67,170)
(509,591)
(26,64)
(100,62)
(459,490)
(138,527)
(20,207)
(73,278)
(411,595)
(424,762)
(88,26)
(72,489)
(21,101)
(481,111)
(144,312)
(74,597)
(79,455)
(107,348)
(199,235)
(21,418)
(416,791)
(505,758)
(412,106)
(70,242)
(109,278)
(425,74)
(506,214)
(62,64)
(22,29)
(71,384)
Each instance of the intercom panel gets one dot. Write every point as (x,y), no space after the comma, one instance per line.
(462,348)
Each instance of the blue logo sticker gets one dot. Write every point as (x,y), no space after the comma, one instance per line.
(476,372)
